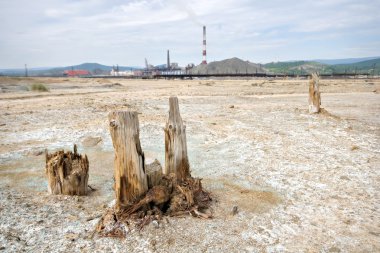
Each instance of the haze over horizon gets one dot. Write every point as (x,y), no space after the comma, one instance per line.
(68,32)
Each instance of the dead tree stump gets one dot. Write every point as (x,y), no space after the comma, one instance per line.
(176,160)
(130,178)
(314,94)
(154,173)
(67,173)
(176,193)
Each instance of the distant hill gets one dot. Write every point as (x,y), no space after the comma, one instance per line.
(362,64)
(228,66)
(306,67)
(296,67)
(344,61)
(93,68)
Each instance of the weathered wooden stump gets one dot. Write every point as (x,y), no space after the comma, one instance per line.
(314,94)
(130,177)
(154,173)
(176,159)
(67,173)
(143,193)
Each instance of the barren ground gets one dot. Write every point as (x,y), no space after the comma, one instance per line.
(302,183)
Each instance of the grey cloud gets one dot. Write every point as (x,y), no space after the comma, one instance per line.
(65,32)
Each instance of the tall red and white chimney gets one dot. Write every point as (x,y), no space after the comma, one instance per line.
(204,61)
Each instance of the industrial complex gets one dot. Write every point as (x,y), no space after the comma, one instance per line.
(168,69)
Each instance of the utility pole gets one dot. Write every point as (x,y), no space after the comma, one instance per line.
(168,60)
(373,72)
(26,70)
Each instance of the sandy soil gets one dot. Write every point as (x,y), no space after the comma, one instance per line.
(302,183)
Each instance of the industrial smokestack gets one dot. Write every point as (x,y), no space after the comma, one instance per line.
(204,61)
(168,61)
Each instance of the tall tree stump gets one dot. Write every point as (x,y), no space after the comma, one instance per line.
(130,177)
(314,94)
(67,173)
(176,160)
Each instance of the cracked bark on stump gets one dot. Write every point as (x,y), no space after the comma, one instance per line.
(129,166)
(314,94)
(176,159)
(67,173)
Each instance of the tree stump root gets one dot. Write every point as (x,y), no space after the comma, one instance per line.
(171,198)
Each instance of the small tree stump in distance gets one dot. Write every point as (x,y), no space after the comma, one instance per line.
(67,173)
(176,160)
(314,94)
(130,178)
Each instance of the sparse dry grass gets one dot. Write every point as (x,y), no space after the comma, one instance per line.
(354,147)
(39,87)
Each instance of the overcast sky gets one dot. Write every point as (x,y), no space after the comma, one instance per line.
(69,32)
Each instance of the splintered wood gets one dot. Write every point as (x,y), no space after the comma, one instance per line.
(130,178)
(314,94)
(67,173)
(176,160)
(143,192)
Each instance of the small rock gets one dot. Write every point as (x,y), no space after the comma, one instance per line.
(232,106)
(72,217)
(71,236)
(2,248)
(374,233)
(91,141)
(235,210)
(3,124)
(334,249)
(37,152)
(155,224)
(78,199)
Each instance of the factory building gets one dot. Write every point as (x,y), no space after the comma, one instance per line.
(115,72)
(76,73)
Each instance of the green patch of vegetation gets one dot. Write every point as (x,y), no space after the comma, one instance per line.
(39,87)
(370,67)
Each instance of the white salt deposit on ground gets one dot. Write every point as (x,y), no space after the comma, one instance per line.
(302,183)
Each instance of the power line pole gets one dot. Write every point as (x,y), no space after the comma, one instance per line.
(373,72)
(26,70)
